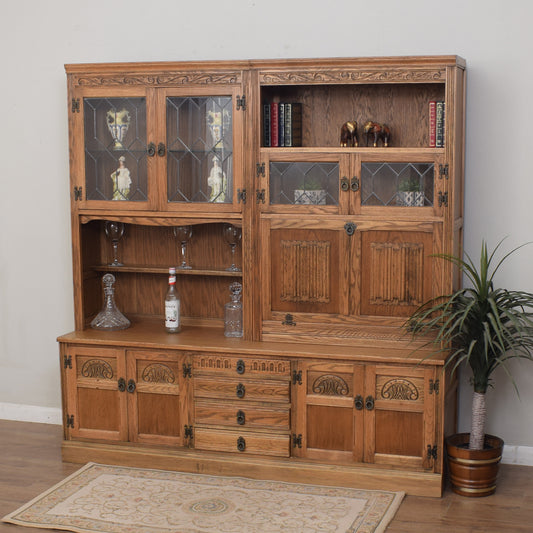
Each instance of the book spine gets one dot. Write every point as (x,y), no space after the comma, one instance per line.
(288,125)
(266,125)
(296,124)
(274,124)
(439,137)
(281,124)
(432,123)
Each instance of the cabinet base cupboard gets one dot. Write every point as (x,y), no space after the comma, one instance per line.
(335,247)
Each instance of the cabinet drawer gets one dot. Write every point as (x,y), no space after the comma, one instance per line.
(241,366)
(235,389)
(244,442)
(240,415)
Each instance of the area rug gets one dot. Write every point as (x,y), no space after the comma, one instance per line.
(113,499)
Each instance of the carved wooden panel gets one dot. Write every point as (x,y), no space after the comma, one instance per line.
(396,272)
(330,385)
(399,388)
(96,368)
(241,366)
(308,281)
(305,270)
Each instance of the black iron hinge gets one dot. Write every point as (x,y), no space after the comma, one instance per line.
(67,361)
(432,452)
(296,440)
(260,169)
(443,171)
(241,196)
(187,370)
(443,199)
(75,105)
(434,386)
(70,421)
(241,102)
(260,196)
(78,193)
(296,377)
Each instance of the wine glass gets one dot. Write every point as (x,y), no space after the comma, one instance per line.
(183,234)
(114,232)
(232,235)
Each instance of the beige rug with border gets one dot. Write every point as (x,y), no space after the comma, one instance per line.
(113,499)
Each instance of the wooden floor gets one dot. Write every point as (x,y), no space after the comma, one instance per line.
(30,462)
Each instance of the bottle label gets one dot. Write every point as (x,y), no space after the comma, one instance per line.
(172,314)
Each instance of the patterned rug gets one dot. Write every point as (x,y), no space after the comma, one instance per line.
(112,499)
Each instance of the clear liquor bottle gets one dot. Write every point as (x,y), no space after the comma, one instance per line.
(172,304)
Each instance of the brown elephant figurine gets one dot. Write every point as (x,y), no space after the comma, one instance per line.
(378,131)
(349,134)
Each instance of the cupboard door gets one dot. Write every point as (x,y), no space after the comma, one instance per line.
(396,271)
(203,136)
(306,267)
(96,397)
(399,416)
(113,166)
(158,396)
(329,418)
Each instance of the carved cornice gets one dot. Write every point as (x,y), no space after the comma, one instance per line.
(353,76)
(163,79)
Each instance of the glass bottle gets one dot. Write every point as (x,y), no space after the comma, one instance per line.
(110,318)
(233,312)
(172,304)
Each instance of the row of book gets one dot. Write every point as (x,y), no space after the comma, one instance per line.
(282,124)
(436,123)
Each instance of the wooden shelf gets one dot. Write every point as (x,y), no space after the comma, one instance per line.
(143,269)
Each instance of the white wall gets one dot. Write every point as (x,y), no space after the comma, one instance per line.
(37,38)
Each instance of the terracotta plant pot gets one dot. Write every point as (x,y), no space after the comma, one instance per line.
(473,473)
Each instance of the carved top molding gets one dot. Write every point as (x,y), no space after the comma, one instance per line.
(353,76)
(162,79)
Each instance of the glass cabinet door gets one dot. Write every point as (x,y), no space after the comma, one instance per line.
(200,156)
(115,149)
(306,183)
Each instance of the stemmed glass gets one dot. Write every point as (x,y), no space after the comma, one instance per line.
(114,232)
(232,235)
(183,234)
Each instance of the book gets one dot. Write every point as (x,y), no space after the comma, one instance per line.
(293,124)
(281,124)
(274,124)
(439,126)
(266,125)
(432,123)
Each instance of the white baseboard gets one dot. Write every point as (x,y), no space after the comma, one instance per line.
(30,413)
(517,455)
(512,455)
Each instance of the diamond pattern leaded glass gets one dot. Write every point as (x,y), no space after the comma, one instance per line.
(304,183)
(115,149)
(397,184)
(200,149)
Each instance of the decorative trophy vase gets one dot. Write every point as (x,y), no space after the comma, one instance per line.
(118,123)
(110,318)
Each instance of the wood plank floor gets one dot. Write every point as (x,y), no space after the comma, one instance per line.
(30,463)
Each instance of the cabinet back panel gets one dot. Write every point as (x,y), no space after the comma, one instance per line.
(403,107)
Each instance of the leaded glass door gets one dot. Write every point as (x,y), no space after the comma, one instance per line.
(115,169)
(202,166)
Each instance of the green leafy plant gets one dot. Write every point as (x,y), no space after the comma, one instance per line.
(409,185)
(482,326)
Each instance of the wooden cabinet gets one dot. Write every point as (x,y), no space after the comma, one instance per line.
(338,247)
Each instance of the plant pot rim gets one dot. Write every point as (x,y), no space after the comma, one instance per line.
(457,441)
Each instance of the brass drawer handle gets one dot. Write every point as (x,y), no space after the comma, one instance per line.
(241,418)
(240,391)
(241,444)
(241,367)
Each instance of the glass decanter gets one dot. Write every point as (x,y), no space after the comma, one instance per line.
(233,312)
(110,318)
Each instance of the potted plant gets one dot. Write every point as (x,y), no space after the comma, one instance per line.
(310,191)
(410,193)
(484,327)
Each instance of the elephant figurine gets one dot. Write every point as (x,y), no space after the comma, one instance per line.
(378,131)
(349,134)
